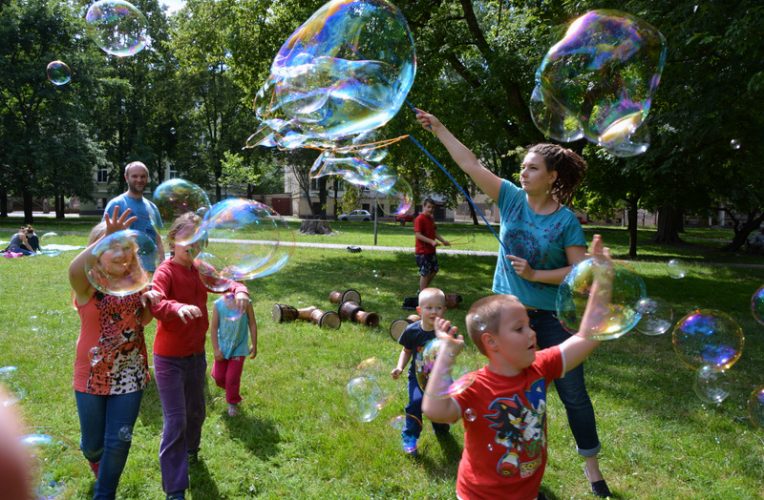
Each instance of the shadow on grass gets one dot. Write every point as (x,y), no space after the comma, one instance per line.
(151,408)
(449,465)
(259,435)
(202,484)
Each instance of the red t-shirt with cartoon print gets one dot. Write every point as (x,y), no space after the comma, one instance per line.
(505,430)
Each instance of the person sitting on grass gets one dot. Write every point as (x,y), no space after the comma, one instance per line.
(504,410)
(432,305)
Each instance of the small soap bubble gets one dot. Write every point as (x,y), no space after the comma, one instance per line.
(117,27)
(172,130)
(628,289)
(470,415)
(125,433)
(676,269)
(735,144)
(121,262)
(490,447)
(708,337)
(757,305)
(48,244)
(756,407)
(95,355)
(398,422)
(175,197)
(36,440)
(657,316)
(58,73)
(712,386)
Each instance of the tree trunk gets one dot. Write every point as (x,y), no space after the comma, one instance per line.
(632,210)
(60,207)
(473,214)
(27,197)
(742,231)
(322,197)
(669,224)
(3,203)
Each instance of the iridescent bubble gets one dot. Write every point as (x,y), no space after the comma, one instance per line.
(708,337)
(365,398)
(676,269)
(125,433)
(36,440)
(345,71)
(95,355)
(397,199)
(628,289)
(176,197)
(424,361)
(757,305)
(58,73)
(117,27)
(712,386)
(398,422)
(243,240)
(657,316)
(490,447)
(598,82)
(229,311)
(49,244)
(470,415)
(9,378)
(735,144)
(117,263)
(756,407)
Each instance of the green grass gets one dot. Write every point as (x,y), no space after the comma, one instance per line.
(295,437)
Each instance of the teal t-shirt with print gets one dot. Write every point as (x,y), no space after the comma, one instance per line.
(539,239)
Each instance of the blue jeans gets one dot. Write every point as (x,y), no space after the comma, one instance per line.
(180,382)
(106,425)
(571,388)
(413,425)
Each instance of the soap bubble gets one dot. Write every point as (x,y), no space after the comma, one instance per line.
(175,197)
(712,386)
(398,422)
(735,144)
(628,289)
(657,316)
(117,265)
(756,407)
(469,415)
(345,71)
(598,82)
(125,433)
(708,337)
(47,242)
(757,305)
(58,73)
(243,240)
(117,27)
(462,372)
(365,398)
(228,311)
(676,269)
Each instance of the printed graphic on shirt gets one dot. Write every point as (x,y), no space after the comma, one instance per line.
(520,429)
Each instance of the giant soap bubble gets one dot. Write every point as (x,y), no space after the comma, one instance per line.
(706,337)
(175,197)
(345,71)
(623,313)
(242,240)
(598,82)
(118,27)
(118,263)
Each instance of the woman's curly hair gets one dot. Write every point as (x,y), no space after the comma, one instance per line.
(570,168)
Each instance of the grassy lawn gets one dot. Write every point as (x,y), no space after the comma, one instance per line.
(295,437)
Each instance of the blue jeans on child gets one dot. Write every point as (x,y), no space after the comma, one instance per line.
(180,382)
(571,388)
(106,426)
(413,425)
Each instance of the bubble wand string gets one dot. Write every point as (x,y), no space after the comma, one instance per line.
(461,189)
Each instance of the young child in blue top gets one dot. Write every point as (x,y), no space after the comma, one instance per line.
(228,332)
(432,305)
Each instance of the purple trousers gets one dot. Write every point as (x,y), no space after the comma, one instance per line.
(180,382)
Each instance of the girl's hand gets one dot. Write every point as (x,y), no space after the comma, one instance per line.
(428,121)
(118,222)
(521,267)
(218,355)
(150,297)
(253,352)
(189,312)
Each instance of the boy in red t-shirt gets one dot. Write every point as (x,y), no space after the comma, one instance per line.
(427,238)
(504,409)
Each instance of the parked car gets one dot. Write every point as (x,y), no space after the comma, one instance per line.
(404,218)
(356,215)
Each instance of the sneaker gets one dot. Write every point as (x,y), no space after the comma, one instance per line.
(408,442)
(178,495)
(233,410)
(599,488)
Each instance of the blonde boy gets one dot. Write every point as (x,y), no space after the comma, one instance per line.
(505,408)
(432,305)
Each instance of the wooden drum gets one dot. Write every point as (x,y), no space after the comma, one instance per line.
(282,313)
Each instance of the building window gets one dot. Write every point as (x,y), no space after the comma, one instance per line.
(173,174)
(314,185)
(102,175)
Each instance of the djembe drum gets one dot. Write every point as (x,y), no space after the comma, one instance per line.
(349,295)
(324,319)
(282,313)
(397,326)
(351,311)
